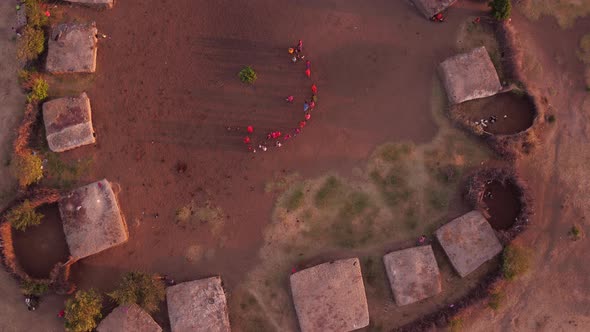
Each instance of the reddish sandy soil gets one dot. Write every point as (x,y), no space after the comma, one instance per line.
(502,201)
(513,113)
(41,247)
(166,90)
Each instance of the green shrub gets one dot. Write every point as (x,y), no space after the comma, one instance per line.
(501,9)
(28,169)
(24,216)
(31,43)
(39,89)
(456,325)
(141,289)
(247,75)
(551,118)
(575,233)
(515,261)
(34,288)
(35,13)
(83,311)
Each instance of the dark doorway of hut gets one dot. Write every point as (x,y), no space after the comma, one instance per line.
(503,204)
(39,248)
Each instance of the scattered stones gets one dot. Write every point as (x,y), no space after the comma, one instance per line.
(68,123)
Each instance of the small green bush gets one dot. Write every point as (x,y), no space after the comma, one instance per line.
(35,13)
(34,288)
(31,43)
(575,233)
(515,261)
(141,289)
(501,9)
(28,169)
(83,311)
(24,216)
(247,75)
(39,89)
(551,118)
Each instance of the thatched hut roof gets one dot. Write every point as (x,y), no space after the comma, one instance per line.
(330,297)
(72,48)
(97,3)
(469,241)
(198,306)
(128,318)
(432,7)
(92,220)
(68,123)
(413,274)
(470,75)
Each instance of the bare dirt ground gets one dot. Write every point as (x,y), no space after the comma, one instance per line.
(166,90)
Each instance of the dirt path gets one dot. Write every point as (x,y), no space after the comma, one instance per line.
(554,295)
(14,315)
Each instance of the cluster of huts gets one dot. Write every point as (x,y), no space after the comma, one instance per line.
(327,297)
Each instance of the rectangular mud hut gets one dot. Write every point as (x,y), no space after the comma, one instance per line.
(413,274)
(430,8)
(128,318)
(72,48)
(469,241)
(68,123)
(198,306)
(469,76)
(330,297)
(95,3)
(92,219)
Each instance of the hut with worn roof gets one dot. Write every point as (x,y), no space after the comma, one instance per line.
(429,8)
(68,123)
(469,76)
(92,220)
(330,297)
(413,274)
(128,318)
(198,306)
(469,241)
(72,48)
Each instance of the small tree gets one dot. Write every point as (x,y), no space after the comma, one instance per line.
(24,216)
(501,9)
(247,75)
(28,169)
(140,288)
(35,288)
(83,311)
(31,44)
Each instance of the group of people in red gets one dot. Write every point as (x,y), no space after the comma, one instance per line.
(277,136)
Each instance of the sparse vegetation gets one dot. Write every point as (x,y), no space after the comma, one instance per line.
(575,233)
(247,75)
(28,168)
(24,216)
(31,43)
(34,288)
(495,300)
(456,324)
(141,289)
(501,9)
(515,261)
(327,193)
(63,174)
(35,14)
(83,311)
(584,51)
(294,200)
(551,118)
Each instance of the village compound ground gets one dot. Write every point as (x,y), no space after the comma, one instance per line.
(379,164)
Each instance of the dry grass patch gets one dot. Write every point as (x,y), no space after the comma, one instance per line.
(206,214)
(565,11)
